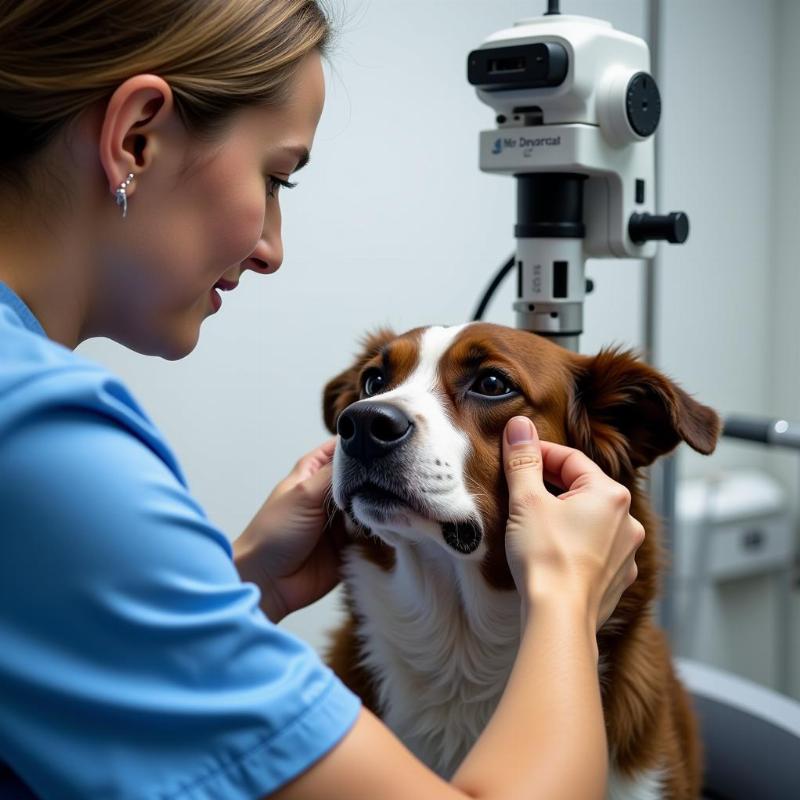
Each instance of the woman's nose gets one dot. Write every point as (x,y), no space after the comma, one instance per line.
(266,258)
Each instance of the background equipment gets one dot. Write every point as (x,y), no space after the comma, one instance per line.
(576,109)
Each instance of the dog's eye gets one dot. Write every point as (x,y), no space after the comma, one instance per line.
(372,382)
(492,384)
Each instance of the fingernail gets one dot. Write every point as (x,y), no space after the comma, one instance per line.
(519,431)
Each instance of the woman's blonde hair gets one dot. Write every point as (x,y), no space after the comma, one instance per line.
(57,57)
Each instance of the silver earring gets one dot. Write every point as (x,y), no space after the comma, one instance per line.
(121,195)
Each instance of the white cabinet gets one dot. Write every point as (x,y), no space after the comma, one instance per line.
(733,554)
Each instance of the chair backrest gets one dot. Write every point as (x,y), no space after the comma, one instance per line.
(751,735)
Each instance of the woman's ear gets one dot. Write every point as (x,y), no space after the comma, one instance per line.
(345,389)
(135,115)
(624,414)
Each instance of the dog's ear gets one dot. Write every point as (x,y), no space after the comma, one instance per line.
(624,414)
(344,388)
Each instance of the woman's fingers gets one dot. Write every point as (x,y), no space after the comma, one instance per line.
(315,487)
(639,533)
(522,458)
(563,465)
(313,461)
(308,466)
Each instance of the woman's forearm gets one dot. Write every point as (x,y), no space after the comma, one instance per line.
(548,730)
(545,741)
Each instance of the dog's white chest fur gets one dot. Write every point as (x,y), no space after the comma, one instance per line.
(436,635)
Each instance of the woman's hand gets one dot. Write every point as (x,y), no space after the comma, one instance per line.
(286,550)
(579,545)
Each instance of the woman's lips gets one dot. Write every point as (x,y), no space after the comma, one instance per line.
(225,286)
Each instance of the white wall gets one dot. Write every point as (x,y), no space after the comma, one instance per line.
(714,313)
(393,224)
(727,300)
(784,351)
(784,289)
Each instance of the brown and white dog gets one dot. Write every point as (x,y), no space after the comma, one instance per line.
(434,624)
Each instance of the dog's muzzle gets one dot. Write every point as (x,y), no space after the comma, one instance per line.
(371,433)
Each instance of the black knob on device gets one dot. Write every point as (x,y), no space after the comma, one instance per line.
(643,104)
(673,228)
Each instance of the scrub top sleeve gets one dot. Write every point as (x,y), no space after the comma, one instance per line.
(135,663)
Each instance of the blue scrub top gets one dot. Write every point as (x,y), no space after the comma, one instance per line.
(134,663)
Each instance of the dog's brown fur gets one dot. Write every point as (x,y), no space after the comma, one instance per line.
(623,414)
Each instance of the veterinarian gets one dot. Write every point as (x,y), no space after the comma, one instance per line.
(144,145)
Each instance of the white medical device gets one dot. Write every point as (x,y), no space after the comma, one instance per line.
(576,110)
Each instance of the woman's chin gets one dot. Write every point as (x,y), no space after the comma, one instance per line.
(172,346)
(177,349)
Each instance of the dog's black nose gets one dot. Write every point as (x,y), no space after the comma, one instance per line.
(372,430)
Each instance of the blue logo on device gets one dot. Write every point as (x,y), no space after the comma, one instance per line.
(498,147)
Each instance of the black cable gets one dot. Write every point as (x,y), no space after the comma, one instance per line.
(552,7)
(492,288)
